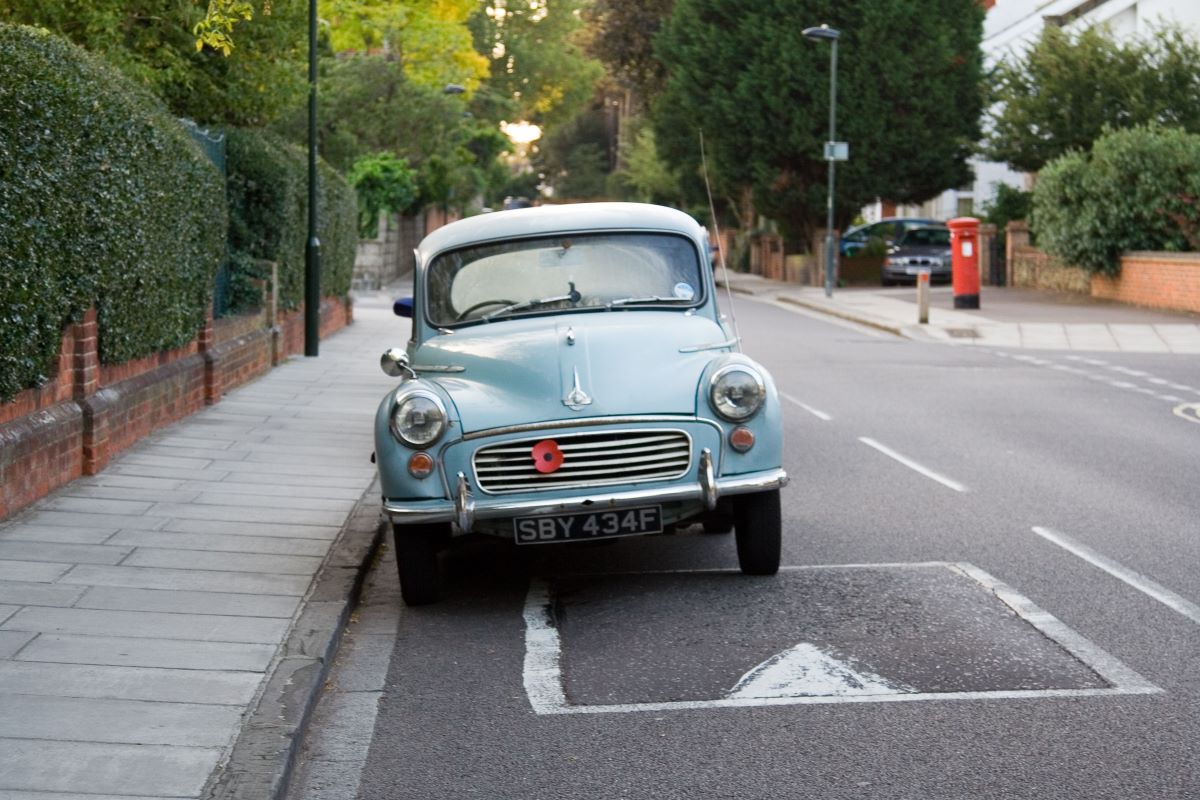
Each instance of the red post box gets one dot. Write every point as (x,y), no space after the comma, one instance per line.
(964,261)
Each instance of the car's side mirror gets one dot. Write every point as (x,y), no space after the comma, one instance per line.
(394,362)
(403,307)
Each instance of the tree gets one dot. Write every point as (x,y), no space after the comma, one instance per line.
(622,37)
(536,61)
(909,100)
(574,156)
(154,44)
(429,37)
(370,106)
(1062,93)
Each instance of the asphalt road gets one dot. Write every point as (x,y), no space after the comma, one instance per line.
(991,574)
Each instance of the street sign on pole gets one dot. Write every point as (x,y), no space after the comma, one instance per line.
(837,151)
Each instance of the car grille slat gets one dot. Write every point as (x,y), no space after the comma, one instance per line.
(589,459)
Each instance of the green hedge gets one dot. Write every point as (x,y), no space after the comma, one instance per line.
(268,218)
(106,200)
(1135,190)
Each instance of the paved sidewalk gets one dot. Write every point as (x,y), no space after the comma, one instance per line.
(1019,318)
(142,610)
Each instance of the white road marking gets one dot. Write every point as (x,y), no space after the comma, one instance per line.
(543,650)
(913,465)
(818,414)
(1189,411)
(543,654)
(808,671)
(1135,579)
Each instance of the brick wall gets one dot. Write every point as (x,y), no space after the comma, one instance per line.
(88,411)
(1155,280)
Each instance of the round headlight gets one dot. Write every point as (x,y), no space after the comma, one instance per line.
(737,392)
(419,419)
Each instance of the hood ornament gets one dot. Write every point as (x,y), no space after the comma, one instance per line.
(577,398)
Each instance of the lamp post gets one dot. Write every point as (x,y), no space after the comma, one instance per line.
(834,150)
(312,247)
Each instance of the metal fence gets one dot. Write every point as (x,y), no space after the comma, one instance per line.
(213,145)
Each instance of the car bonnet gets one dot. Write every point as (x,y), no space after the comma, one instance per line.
(607,363)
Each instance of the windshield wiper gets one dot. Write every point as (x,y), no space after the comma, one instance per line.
(635,301)
(572,296)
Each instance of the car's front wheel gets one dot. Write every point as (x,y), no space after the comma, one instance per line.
(417,562)
(758,525)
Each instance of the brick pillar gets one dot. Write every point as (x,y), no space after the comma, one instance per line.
(85,382)
(205,340)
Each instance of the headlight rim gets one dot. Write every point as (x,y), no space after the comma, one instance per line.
(402,397)
(759,380)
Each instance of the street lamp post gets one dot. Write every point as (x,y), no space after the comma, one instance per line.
(312,248)
(834,151)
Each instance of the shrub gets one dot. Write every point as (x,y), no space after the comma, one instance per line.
(383,183)
(268,209)
(106,201)
(1131,192)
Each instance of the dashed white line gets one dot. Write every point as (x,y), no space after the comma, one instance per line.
(913,465)
(821,415)
(1138,581)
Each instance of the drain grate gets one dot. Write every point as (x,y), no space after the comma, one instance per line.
(962,333)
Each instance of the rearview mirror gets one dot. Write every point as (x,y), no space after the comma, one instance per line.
(403,307)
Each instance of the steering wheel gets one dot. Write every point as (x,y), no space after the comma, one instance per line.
(482,304)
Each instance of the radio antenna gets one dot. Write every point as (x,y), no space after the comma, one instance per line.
(720,244)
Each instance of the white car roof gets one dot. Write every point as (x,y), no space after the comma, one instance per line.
(541,220)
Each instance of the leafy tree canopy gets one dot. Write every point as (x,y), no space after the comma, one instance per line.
(622,36)
(1063,92)
(909,100)
(429,37)
(155,44)
(536,60)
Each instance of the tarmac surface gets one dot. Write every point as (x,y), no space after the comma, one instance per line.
(165,626)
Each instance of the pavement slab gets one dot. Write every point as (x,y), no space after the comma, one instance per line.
(56,533)
(175,601)
(188,580)
(129,683)
(80,719)
(132,652)
(148,624)
(115,769)
(39,594)
(227,543)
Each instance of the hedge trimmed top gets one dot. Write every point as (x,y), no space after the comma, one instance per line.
(109,202)
(106,200)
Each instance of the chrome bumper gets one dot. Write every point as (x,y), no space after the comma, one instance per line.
(465,508)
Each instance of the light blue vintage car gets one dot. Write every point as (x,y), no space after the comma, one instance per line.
(569,378)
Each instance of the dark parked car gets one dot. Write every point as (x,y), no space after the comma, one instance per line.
(919,248)
(889,229)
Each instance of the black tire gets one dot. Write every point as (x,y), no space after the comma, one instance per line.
(720,519)
(417,562)
(757,520)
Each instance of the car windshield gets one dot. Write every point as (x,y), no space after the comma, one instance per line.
(926,237)
(563,273)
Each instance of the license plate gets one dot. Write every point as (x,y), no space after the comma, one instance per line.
(914,270)
(588,525)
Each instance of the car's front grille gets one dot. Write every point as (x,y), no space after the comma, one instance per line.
(589,459)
